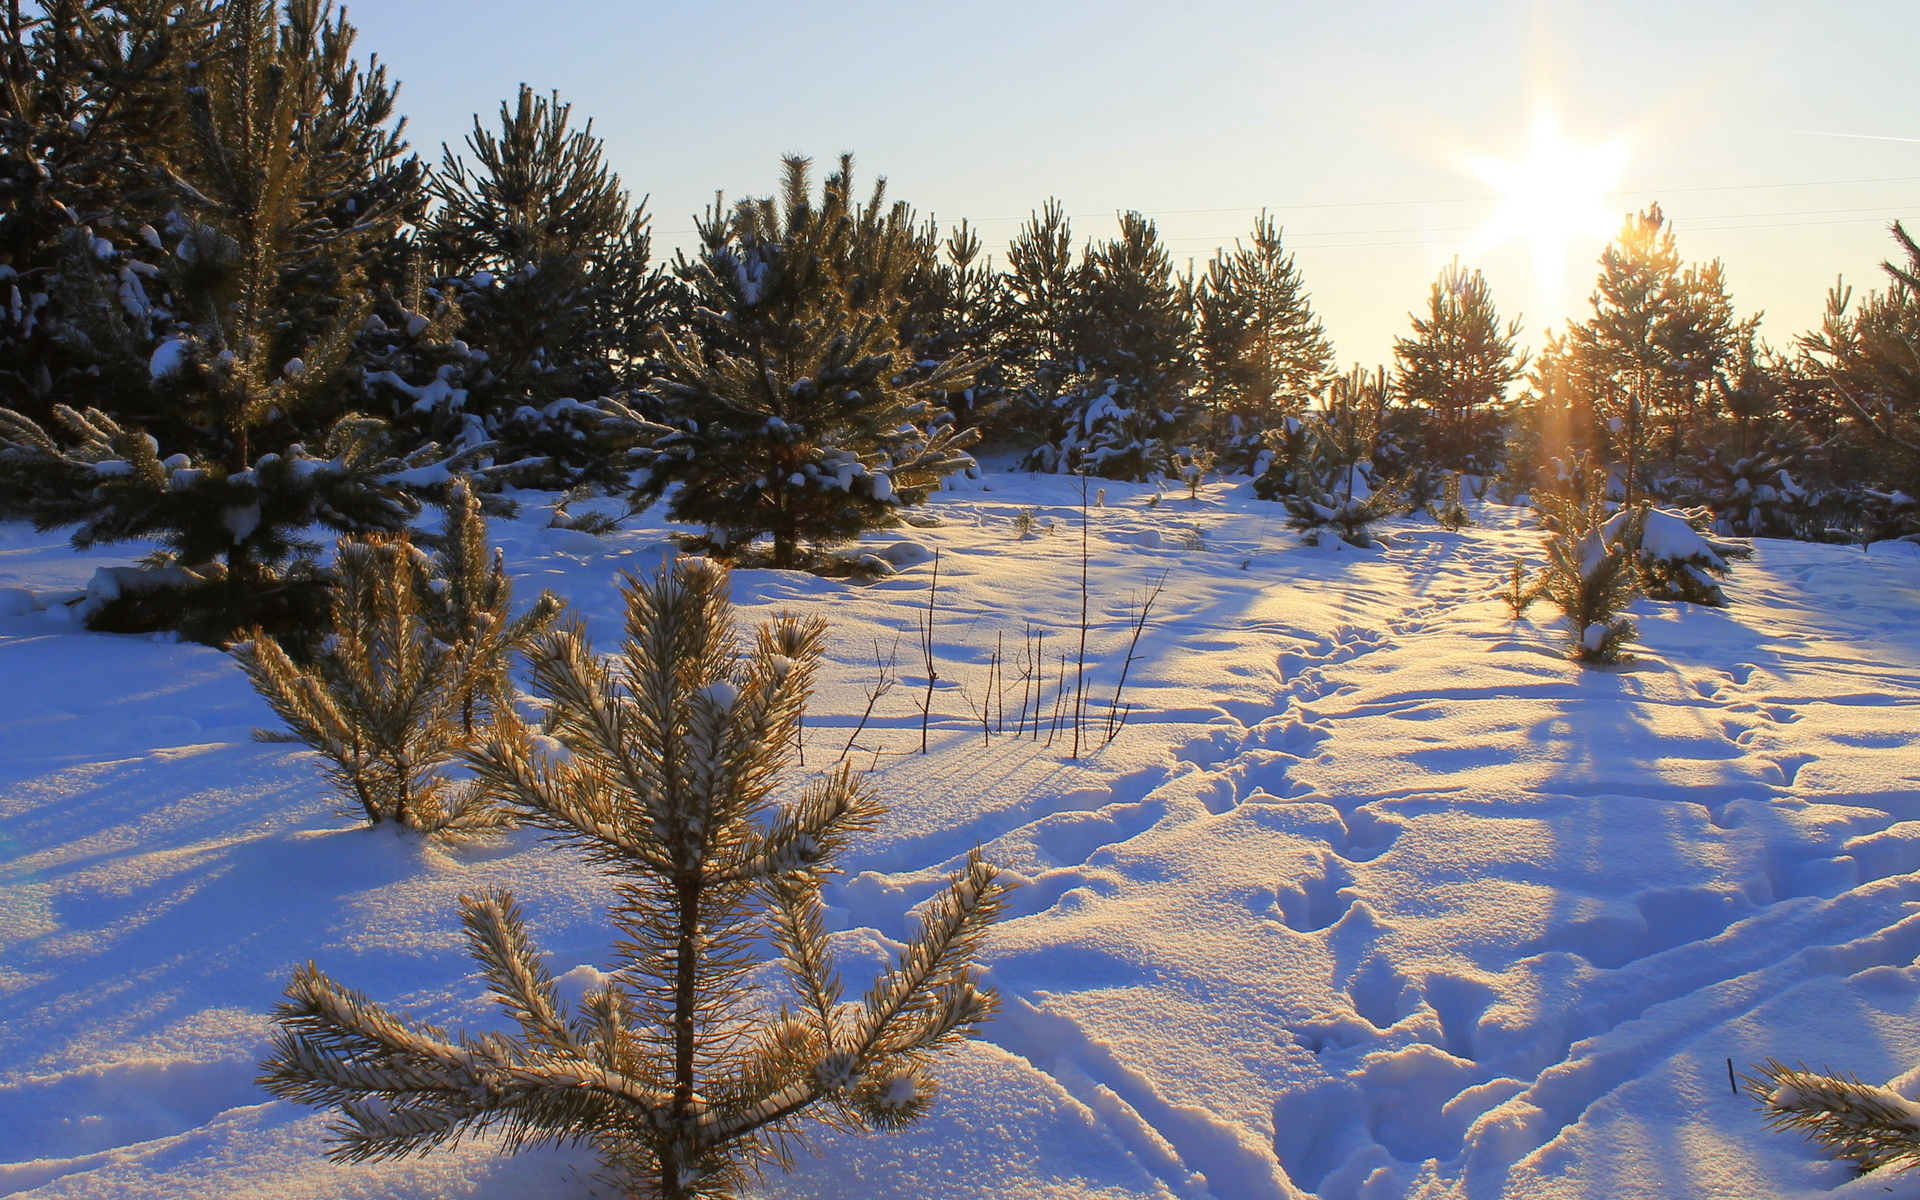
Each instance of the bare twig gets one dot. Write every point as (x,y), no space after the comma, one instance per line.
(1115,717)
(926,651)
(1080,662)
(882,684)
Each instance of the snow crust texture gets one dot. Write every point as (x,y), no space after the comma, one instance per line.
(1376,896)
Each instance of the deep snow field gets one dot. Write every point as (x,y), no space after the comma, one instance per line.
(1376,895)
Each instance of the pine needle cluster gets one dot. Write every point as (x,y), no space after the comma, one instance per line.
(419,649)
(659,767)
(1871,1127)
(1591,573)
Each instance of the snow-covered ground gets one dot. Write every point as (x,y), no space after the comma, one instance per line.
(1376,895)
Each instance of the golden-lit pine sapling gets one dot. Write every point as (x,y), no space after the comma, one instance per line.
(1191,468)
(659,766)
(382,699)
(1591,576)
(1871,1127)
(1451,513)
(468,602)
(1519,592)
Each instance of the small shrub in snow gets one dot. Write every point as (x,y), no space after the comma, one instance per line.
(1871,1127)
(666,766)
(1590,574)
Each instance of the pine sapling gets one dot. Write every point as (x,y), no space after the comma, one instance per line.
(1871,1127)
(383,699)
(468,602)
(665,768)
(1191,468)
(1591,576)
(1519,592)
(1450,513)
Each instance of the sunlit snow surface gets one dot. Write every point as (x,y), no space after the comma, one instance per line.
(1375,896)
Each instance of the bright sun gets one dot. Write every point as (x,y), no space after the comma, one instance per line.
(1552,196)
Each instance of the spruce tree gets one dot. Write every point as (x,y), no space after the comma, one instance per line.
(664,773)
(1261,351)
(794,409)
(1456,366)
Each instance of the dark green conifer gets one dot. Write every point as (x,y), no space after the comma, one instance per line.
(793,407)
(546,262)
(1262,353)
(1130,339)
(1456,367)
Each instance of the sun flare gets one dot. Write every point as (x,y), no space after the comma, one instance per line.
(1553,196)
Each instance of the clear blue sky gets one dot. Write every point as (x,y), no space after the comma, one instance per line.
(1352,122)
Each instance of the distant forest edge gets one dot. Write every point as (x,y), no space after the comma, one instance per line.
(235,305)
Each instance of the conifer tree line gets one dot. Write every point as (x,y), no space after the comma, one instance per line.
(236,303)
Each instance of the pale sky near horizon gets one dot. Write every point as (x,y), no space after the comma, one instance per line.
(1782,136)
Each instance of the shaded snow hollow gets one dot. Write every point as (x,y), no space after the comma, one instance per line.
(1375,896)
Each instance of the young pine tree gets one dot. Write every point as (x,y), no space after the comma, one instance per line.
(92,108)
(1591,574)
(793,409)
(1658,334)
(468,603)
(109,482)
(548,262)
(1041,285)
(957,313)
(670,1069)
(1261,351)
(1456,366)
(383,699)
(1131,340)
(1867,355)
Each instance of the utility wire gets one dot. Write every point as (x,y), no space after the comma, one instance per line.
(1286,208)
